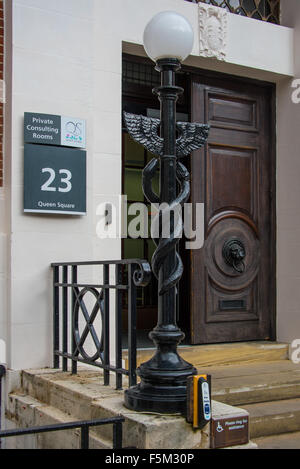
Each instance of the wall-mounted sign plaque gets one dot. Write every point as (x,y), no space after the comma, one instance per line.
(230,431)
(49,129)
(54,180)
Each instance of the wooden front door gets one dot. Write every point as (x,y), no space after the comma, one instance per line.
(232,276)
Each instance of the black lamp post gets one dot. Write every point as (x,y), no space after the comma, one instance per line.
(168,39)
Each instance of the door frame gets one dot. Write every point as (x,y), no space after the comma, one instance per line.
(185,313)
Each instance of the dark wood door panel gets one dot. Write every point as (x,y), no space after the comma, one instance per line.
(231,275)
(236,168)
(233,139)
(232,112)
(241,306)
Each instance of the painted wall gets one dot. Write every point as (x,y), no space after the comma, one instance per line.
(288,192)
(56,70)
(66,59)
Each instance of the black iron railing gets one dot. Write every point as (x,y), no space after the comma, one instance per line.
(83,311)
(2,374)
(83,425)
(264,10)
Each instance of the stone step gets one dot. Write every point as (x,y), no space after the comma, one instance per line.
(140,430)
(272,418)
(233,385)
(71,394)
(24,411)
(254,383)
(223,354)
(285,441)
(83,396)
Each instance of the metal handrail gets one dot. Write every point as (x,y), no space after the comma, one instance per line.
(83,425)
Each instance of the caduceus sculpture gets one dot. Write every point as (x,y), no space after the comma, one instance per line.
(163,378)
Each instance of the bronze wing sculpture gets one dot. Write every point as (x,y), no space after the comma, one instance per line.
(192,137)
(144,130)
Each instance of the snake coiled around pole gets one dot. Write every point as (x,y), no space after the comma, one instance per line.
(165,245)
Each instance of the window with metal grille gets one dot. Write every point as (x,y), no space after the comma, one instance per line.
(264,10)
(140,74)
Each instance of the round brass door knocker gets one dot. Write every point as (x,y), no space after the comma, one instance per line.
(234,253)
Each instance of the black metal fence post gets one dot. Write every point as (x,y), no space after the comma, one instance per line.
(56,316)
(131,326)
(65,316)
(106,325)
(117,435)
(118,326)
(74,281)
(85,437)
(2,374)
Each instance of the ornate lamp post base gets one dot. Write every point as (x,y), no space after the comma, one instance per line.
(167,399)
(163,378)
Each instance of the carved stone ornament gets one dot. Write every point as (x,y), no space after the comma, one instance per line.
(212,31)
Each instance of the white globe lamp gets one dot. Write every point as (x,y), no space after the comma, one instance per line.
(168,35)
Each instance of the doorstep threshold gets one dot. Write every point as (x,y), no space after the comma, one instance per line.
(224,353)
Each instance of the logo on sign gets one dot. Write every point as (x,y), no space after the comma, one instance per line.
(219,428)
(73,132)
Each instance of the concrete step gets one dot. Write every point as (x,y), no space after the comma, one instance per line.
(253,385)
(83,396)
(71,394)
(285,441)
(24,411)
(224,354)
(255,382)
(233,385)
(273,418)
(140,430)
